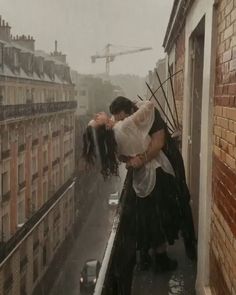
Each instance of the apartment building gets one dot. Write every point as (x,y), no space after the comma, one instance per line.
(37,110)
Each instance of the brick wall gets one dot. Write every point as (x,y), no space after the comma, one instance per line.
(179,79)
(223,227)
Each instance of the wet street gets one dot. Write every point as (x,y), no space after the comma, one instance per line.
(90,244)
(92,238)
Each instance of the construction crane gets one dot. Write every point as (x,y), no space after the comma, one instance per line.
(109,56)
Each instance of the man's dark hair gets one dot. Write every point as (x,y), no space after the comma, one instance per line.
(122,103)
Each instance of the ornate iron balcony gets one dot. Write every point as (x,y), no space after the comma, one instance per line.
(33,109)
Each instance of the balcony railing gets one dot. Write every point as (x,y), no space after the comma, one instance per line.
(68,153)
(24,110)
(5,154)
(35,142)
(21,185)
(21,148)
(7,247)
(116,272)
(6,197)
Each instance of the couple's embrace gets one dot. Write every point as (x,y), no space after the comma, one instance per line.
(139,137)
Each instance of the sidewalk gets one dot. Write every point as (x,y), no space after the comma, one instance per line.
(180,282)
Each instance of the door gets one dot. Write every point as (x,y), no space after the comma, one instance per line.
(194,140)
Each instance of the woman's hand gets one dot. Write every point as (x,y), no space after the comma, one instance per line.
(102,118)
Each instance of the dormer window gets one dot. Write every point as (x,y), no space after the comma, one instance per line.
(1,54)
(30,63)
(16,59)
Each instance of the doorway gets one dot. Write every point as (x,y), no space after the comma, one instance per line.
(194,136)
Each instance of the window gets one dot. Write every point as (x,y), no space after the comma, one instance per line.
(1,54)
(45,191)
(35,269)
(23,257)
(45,158)
(34,132)
(34,201)
(45,129)
(34,162)
(21,136)
(21,211)
(5,227)
(16,59)
(23,285)
(21,173)
(2,92)
(8,278)
(66,172)
(57,179)
(5,183)
(5,141)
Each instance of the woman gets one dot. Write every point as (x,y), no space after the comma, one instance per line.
(153,183)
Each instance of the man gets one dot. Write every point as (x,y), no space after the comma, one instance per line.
(121,108)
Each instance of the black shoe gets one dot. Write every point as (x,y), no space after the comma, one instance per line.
(164,263)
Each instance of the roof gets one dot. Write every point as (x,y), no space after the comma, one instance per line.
(6,71)
(176,22)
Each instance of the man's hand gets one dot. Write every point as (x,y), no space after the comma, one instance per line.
(136,162)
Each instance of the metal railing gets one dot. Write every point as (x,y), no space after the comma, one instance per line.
(115,277)
(7,247)
(23,110)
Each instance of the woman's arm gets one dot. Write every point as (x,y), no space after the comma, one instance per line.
(144,114)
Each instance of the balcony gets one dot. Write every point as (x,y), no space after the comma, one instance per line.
(56,133)
(27,110)
(21,185)
(119,259)
(68,153)
(55,162)
(68,128)
(6,197)
(35,142)
(7,247)
(5,154)
(35,176)
(21,148)
(45,169)
(119,274)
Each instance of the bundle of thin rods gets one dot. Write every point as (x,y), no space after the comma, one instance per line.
(174,124)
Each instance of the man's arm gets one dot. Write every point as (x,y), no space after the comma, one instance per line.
(156,144)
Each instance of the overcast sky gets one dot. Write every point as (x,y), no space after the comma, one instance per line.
(84,27)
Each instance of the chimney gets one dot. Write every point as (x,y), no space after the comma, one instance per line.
(58,55)
(5,31)
(26,42)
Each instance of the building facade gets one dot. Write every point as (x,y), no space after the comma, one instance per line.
(36,160)
(201,40)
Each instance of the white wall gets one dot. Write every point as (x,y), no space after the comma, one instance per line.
(200,9)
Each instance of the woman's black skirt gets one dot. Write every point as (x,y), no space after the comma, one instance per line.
(158,215)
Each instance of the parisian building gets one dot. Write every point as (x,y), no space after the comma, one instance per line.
(37,109)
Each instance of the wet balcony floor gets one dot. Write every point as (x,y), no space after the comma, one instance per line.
(181,281)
